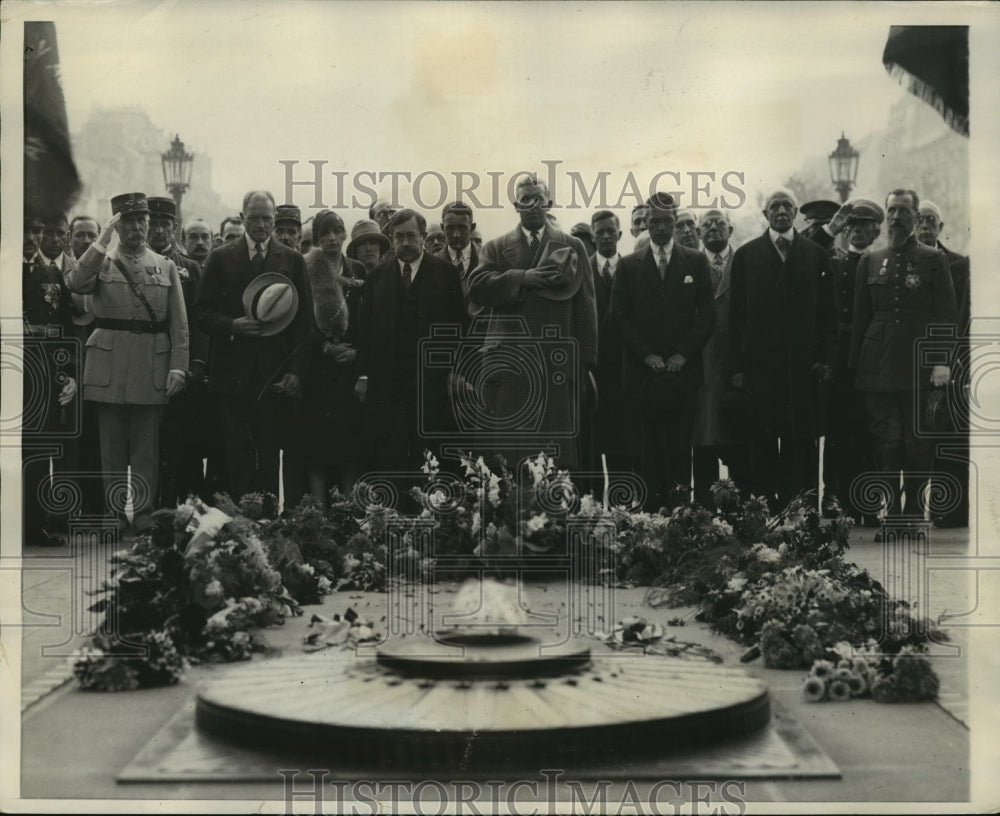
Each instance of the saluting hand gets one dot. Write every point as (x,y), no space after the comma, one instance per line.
(109,231)
(839,220)
(940,376)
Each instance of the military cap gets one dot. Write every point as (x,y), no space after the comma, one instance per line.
(129,203)
(288,212)
(821,210)
(161,205)
(864,209)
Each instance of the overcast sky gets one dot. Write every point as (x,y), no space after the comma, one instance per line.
(409,87)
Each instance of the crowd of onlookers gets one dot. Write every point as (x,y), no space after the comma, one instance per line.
(276,349)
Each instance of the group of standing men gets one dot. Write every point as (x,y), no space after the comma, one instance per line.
(686,352)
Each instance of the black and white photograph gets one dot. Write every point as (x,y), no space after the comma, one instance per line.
(499,407)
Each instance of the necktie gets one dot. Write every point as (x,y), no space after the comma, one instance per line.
(783,243)
(717,266)
(258,257)
(407,276)
(533,247)
(661,262)
(459,266)
(606,272)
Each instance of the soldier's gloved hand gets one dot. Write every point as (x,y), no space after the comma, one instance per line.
(361,388)
(940,376)
(676,362)
(839,220)
(175,383)
(109,231)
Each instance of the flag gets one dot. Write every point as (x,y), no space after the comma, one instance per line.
(51,183)
(932,63)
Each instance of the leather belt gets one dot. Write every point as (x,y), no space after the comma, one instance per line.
(134,326)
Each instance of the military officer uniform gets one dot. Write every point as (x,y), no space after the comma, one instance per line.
(847,449)
(191,430)
(49,361)
(130,354)
(899,293)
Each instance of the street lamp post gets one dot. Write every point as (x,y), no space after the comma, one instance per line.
(843,167)
(177,166)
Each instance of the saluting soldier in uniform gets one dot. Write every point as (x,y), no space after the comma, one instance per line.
(899,292)
(847,447)
(137,356)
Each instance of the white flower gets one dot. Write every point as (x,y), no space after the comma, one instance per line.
(723,527)
(536,523)
(736,583)
(213,589)
(494,491)
(212,522)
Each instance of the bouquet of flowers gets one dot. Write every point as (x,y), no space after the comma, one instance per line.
(193,589)
(797,614)
(848,673)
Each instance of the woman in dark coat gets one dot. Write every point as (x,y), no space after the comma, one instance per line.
(332,432)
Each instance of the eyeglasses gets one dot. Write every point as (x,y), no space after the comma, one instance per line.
(529,202)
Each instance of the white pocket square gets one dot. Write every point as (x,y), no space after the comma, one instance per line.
(688,279)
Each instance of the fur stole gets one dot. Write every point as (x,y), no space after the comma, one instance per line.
(329,304)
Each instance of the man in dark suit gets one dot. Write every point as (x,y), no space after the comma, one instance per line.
(49,373)
(186,429)
(605,431)
(782,344)
(662,304)
(404,299)
(536,280)
(458,225)
(951,453)
(714,437)
(253,373)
